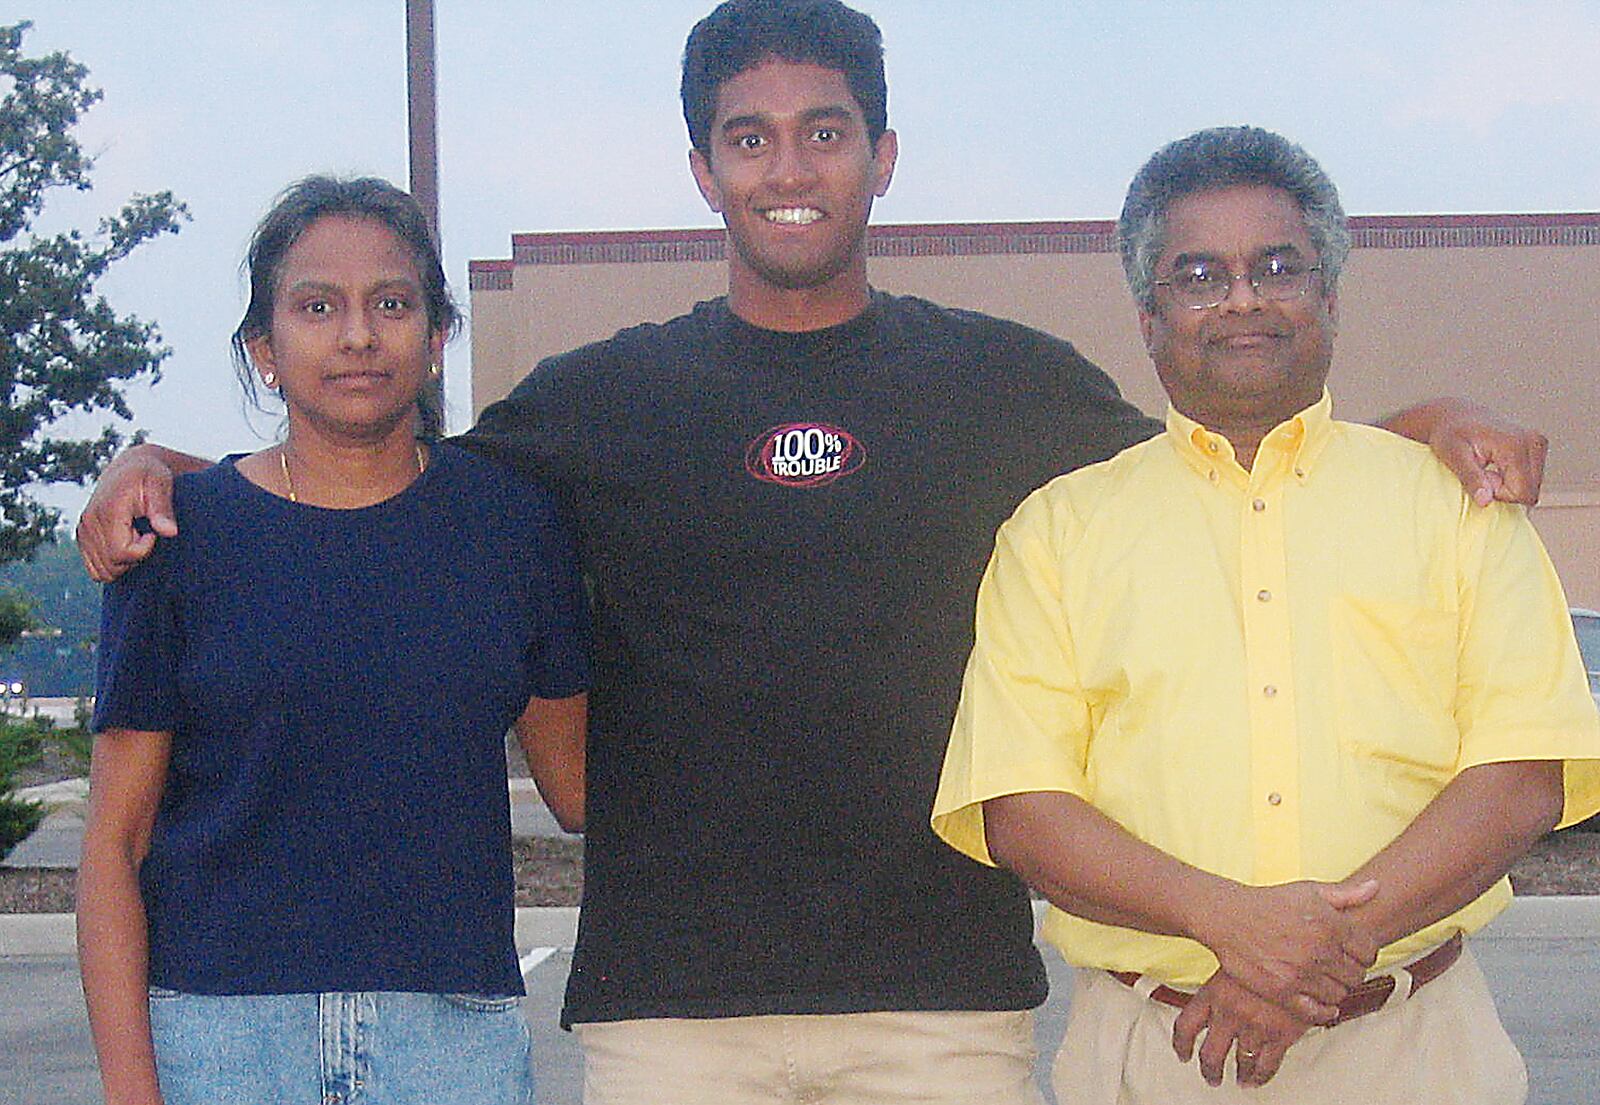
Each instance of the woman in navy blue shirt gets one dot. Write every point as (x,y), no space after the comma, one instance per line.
(296,883)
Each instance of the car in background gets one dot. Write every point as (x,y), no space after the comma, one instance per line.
(1586,624)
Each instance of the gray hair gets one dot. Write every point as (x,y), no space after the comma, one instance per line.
(1223,157)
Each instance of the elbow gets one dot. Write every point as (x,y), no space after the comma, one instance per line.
(1537,804)
(564,795)
(1005,834)
(566,805)
(104,850)
(1550,806)
(570,819)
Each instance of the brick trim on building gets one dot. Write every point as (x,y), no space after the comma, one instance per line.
(491,276)
(988,239)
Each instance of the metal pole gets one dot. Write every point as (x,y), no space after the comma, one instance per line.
(422,114)
(422,121)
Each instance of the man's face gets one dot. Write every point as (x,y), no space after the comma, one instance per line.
(1249,360)
(793,174)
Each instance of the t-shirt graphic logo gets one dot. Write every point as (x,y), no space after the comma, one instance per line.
(803,454)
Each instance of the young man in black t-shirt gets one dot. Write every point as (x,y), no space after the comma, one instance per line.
(785,500)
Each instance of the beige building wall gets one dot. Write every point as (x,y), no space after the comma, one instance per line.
(1498,309)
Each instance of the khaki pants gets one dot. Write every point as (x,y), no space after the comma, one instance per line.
(948,1058)
(1442,1046)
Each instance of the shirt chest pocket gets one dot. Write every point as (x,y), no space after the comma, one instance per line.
(1394,691)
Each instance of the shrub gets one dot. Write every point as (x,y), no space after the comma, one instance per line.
(77,743)
(18,818)
(21,743)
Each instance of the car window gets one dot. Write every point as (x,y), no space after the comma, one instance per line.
(1587,626)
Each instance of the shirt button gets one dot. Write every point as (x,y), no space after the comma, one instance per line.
(1258,505)
(1212,475)
(1213,446)
(1300,473)
(1274,799)
(1263,596)
(1270,691)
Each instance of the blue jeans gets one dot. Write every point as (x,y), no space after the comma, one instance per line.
(341,1049)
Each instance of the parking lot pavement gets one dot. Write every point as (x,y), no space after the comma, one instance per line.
(1542,959)
(49,1060)
(43,1035)
(529,815)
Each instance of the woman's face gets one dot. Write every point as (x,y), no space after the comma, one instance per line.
(350,343)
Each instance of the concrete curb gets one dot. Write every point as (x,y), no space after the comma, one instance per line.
(1557,917)
(54,845)
(54,934)
(544,927)
(37,934)
(1552,918)
(62,792)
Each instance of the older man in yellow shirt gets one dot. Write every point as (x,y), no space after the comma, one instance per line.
(1265,706)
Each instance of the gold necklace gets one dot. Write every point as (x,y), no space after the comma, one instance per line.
(288,480)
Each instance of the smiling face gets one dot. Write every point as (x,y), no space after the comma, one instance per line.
(350,343)
(793,174)
(1248,363)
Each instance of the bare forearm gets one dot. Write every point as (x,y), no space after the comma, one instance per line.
(553,734)
(1290,944)
(180,463)
(1460,845)
(136,484)
(113,959)
(1088,865)
(126,777)
(1493,458)
(1420,421)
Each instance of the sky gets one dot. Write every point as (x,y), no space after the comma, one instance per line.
(564,116)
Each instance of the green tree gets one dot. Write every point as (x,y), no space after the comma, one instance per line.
(63,348)
(16,615)
(58,659)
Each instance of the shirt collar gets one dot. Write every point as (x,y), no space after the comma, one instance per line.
(1293,444)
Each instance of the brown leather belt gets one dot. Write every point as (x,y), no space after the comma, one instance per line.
(1371,996)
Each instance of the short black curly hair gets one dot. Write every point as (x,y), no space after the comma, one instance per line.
(741,34)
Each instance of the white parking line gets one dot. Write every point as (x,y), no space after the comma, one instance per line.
(533,959)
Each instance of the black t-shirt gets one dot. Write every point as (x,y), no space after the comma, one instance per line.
(785,534)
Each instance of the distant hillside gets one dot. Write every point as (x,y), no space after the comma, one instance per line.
(64,599)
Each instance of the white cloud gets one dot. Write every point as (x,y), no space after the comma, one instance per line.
(1489,60)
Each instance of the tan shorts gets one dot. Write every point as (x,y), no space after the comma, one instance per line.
(1444,1045)
(942,1058)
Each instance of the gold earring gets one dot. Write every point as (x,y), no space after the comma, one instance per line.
(434,370)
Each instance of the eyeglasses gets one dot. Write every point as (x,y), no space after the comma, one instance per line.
(1203,284)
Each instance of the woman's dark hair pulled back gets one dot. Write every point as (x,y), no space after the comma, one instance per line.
(318,197)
